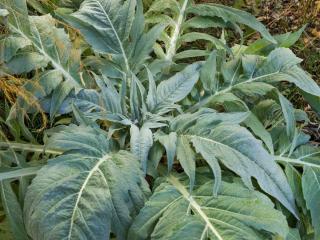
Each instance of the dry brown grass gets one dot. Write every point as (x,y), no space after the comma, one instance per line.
(12,89)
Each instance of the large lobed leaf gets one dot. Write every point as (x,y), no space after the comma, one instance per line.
(184,18)
(52,44)
(36,43)
(234,146)
(237,213)
(106,25)
(87,192)
(251,77)
(231,15)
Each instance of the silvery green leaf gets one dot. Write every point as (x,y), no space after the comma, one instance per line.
(205,120)
(169,141)
(208,73)
(138,23)
(212,162)
(288,113)
(314,101)
(155,155)
(304,154)
(190,54)
(152,92)
(141,141)
(41,32)
(236,213)
(295,179)
(293,234)
(111,98)
(135,100)
(281,65)
(178,86)
(58,96)
(13,210)
(253,90)
(26,62)
(10,45)
(204,22)
(62,193)
(290,38)
(262,46)
(231,71)
(187,159)
(16,12)
(105,25)
(259,130)
(308,153)
(45,83)
(195,36)
(311,193)
(16,173)
(229,101)
(88,138)
(158,6)
(256,76)
(144,46)
(49,46)
(239,151)
(231,15)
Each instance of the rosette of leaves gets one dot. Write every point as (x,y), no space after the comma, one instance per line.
(249,171)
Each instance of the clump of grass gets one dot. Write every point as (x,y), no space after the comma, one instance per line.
(12,88)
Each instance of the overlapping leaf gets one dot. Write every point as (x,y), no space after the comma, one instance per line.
(107,25)
(183,28)
(49,42)
(237,149)
(36,43)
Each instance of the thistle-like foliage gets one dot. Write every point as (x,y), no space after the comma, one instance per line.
(87,192)
(184,29)
(158,127)
(237,213)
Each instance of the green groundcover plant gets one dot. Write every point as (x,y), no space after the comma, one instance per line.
(158,127)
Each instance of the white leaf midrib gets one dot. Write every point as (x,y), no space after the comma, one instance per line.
(79,195)
(175,182)
(251,160)
(117,36)
(297,162)
(229,89)
(173,42)
(55,64)
(171,93)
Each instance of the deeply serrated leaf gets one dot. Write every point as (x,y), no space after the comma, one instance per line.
(237,213)
(238,150)
(62,193)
